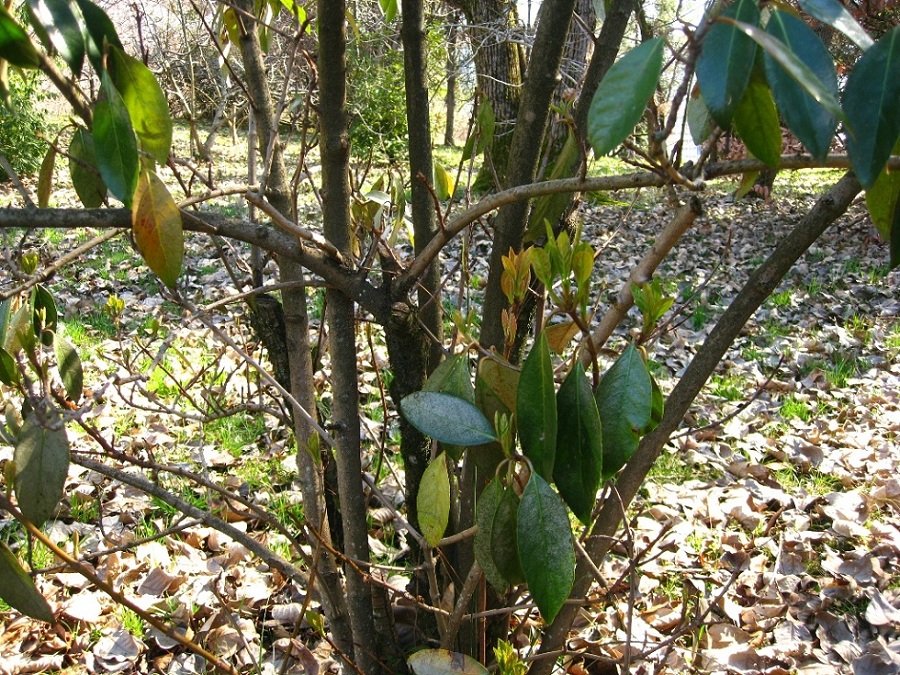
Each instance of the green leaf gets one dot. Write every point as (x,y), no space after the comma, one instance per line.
(443,662)
(42,463)
(452,376)
(835,15)
(295,9)
(488,501)
(756,122)
(446,418)
(872,104)
(433,500)
(115,144)
(726,61)
(546,548)
(157,228)
(58,18)
(550,208)
(18,590)
(15,46)
(69,365)
(86,179)
(45,177)
(536,408)
(502,384)
(9,373)
(622,96)
(624,401)
(504,549)
(812,123)
(700,123)
(798,70)
(579,444)
(45,316)
(657,407)
(146,104)
(882,201)
(99,32)
(389,9)
(443,182)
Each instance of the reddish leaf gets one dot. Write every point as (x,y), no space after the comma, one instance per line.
(156,223)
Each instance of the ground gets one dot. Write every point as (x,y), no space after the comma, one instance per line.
(766,540)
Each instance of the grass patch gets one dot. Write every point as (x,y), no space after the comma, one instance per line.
(670,468)
(236,432)
(814,482)
(780,299)
(729,387)
(792,408)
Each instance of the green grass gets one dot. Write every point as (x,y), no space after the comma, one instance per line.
(236,433)
(780,299)
(729,387)
(131,622)
(814,482)
(793,408)
(670,468)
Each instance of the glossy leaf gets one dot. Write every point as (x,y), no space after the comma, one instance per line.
(146,104)
(443,182)
(15,46)
(756,122)
(69,365)
(59,19)
(546,549)
(45,317)
(9,373)
(579,444)
(452,376)
(624,401)
(444,662)
(18,590)
(835,15)
(811,123)
(433,500)
(622,96)
(798,70)
(156,225)
(488,501)
(536,408)
(872,104)
(446,418)
(726,61)
(700,123)
(504,549)
(657,407)
(42,463)
(45,177)
(115,145)
(86,179)
(99,31)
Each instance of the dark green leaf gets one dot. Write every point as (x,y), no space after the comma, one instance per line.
(756,122)
(536,408)
(726,61)
(835,15)
(45,315)
(433,500)
(798,70)
(99,31)
(446,418)
(60,18)
(622,96)
(579,444)
(9,373)
(657,407)
(115,144)
(42,462)
(484,518)
(146,104)
(624,400)
(443,662)
(69,364)
(812,123)
(18,590)
(545,545)
(15,46)
(504,550)
(882,199)
(6,313)
(86,180)
(872,104)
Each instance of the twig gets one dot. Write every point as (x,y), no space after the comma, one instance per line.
(465,595)
(285,224)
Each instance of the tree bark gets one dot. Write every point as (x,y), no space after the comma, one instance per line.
(759,286)
(450,98)
(341,321)
(296,331)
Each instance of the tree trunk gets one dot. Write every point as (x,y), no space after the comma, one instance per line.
(341,322)
(450,98)
(499,66)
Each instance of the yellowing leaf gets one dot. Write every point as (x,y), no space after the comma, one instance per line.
(444,662)
(433,500)
(156,224)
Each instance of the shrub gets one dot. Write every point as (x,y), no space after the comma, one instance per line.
(20,124)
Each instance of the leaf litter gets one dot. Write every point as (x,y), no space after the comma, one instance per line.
(766,539)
